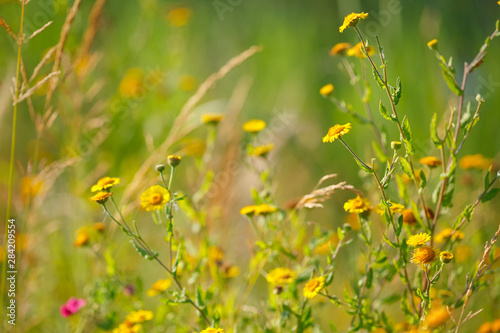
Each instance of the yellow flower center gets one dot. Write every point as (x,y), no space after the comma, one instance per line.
(358,203)
(335,130)
(155,199)
(312,285)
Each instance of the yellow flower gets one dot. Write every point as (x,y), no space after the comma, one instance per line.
(462,253)
(409,217)
(131,84)
(281,276)
(352,20)
(430,161)
(476,161)
(418,239)
(187,82)
(445,257)
(357,51)
(325,248)
(212,118)
(101,197)
(254,126)
(353,221)
(357,205)
(395,208)
(261,151)
(248,210)
(340,49)
(105,183)
(432,44)
(179,17)
(423,256)
(82,237)
(212,330)
(215,254)
(139,316)
(336,132)
(436,317)
(313,287)
(159,287)
(326,90)
(230,271)
(128,327)
(446,233)
(154,198)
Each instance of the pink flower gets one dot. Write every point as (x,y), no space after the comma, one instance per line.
(72,306)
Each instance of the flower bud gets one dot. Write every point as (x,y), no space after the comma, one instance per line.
(395,145)
(445,257)
(160,167)
(174,160)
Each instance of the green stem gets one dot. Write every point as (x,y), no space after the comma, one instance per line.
(12,157)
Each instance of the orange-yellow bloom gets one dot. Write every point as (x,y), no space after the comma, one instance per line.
(431,161)
(313,287)
(357,205)
(336,132)
(352,20)
(340,49)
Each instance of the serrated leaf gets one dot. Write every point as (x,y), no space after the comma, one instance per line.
(449,78)
(434,135)
(397,94)
(145,254)
(377,78)
(384,112)
(490,194)
(406,128)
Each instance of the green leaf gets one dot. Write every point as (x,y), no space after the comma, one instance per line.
(176,263)
(450,81)
(397,94)
(145,254)
(377,78)
(365,168)
(490,194)
(467,214)
(384,112)
(394,245)
(407,133)
(487,179)
(434,135)
(380,154)
(406,167)
(423,183)
(399,225)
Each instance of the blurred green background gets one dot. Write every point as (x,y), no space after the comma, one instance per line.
(286,77)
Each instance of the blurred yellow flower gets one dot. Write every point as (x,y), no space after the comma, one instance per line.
(418,239)
(159,287)
(101,197)
(174,160)
(30,186)
(254,126)
(281,276)
(179,17)
(325,248)
(432,44)
(357,51)
(230,271)
(212,118)
(261,151)
(486,328)
(462,253)
(436,317)
(446,233)
(131,84)
(409,217)
(99,226)
(352,20)
(313,287)
(357,205)
(104,184)
(263,209)
(215,254)
(212,330)
(476,161)
(128,327)
(139,316)
(423,256)
(326,89)
(431,161)
(82,237)
(340,49)
(395,208)
(336,132)
(187,82)
(353,221)
(154,198)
